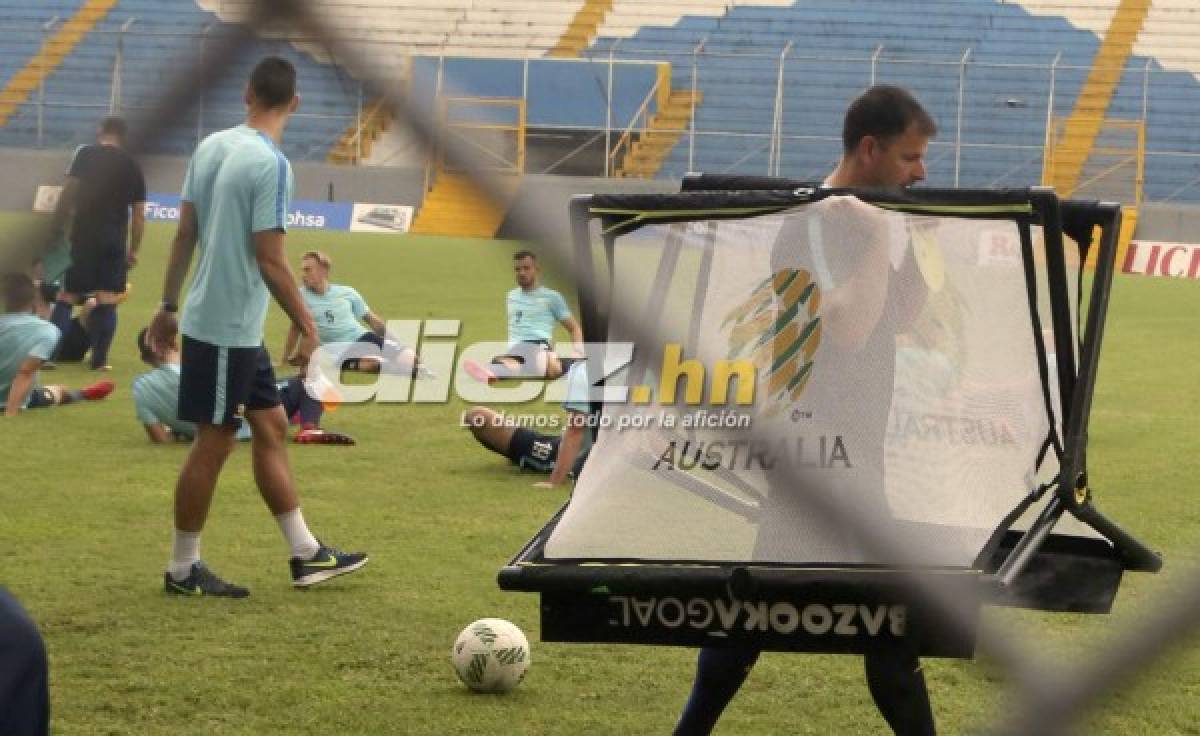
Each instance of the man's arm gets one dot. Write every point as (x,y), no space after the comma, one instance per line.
(378,326)
(568,449)
(576,331)
(289,345)
(22,384)
(164,326)
(159,434)
(137,226)
(273,265)
(66,203)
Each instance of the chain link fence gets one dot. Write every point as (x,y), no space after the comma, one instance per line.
(1047,697)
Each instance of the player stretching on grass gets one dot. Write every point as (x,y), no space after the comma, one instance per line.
(339,313)
(532,311)
(562,456)
(885,136)
(26,342)
(234,205)
(156,401)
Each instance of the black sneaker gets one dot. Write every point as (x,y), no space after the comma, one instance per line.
(326,563)
(202,581)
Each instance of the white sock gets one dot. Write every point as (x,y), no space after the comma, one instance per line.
(184,551)
(304,545)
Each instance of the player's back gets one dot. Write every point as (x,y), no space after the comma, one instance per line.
(110,180)
(239,183)
(22,335)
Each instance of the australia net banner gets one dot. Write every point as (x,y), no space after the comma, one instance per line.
(883,359)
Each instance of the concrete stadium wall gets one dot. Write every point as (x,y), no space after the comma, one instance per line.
(319,181)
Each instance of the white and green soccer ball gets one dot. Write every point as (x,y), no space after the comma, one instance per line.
(491,655)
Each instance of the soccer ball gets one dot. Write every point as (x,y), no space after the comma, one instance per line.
(491,656)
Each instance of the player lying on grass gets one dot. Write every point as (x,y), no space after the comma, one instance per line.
(339,312)
(156,400)
(562,456)
(26,342)
(532,311)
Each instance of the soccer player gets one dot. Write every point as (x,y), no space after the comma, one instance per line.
(885,136)
(562,456)
(26,342)
(234,205)
(339,313)
(24,673)
(76,342)
(106,192)
(156,401)
(532,311)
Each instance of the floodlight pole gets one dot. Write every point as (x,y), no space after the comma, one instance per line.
(1047,174)
(41,116)
(1146,91)
(200,101)
(692,118)
(114,101)
(962,84)
(608,115)
(777,123)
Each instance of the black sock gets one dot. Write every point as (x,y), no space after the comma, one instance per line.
(719,674)
(102,326)
(897,684)
(60,316)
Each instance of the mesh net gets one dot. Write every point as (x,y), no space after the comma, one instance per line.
(894,373)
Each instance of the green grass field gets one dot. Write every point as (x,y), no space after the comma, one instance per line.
(85,529)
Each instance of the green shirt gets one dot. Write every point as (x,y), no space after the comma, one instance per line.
(240,184)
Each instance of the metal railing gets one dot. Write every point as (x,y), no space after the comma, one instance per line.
(777,125)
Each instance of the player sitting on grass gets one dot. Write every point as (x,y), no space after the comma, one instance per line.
(339,312)
(532,311)
(26,342)
(562,456)
(156,399)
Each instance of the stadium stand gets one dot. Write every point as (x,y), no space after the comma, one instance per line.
(725,70)
(78,90)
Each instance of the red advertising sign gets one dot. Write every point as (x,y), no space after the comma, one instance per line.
(1150,258)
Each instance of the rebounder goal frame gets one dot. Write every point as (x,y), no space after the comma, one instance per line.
(854,608)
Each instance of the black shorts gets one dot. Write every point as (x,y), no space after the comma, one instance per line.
(39,398)
(96,267)
(533,450)
(217,385)
(74,345)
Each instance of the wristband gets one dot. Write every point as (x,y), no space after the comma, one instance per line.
(168,307)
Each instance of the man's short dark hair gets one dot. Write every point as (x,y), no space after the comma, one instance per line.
(144,349)
(18,292)
(884,112)
(273,81)
(525,254)
(114,126)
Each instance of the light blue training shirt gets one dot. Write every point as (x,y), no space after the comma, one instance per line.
(22,336)
(338,313)
(156,401)
(240,184)
(532,313)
